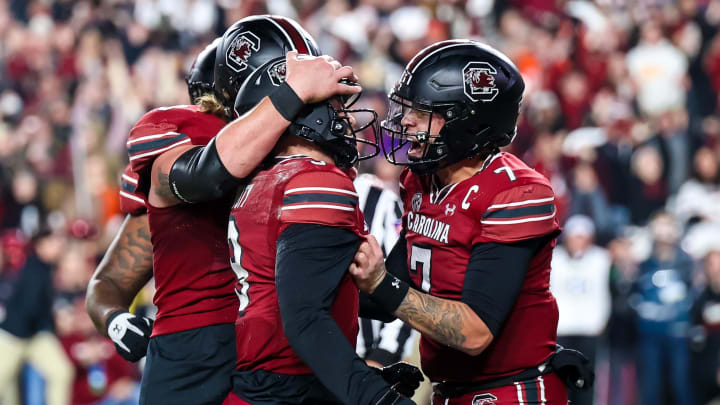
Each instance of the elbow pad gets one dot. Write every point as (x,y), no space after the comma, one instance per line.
(198,175)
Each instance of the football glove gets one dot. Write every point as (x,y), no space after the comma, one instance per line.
(403,377)
(130,333)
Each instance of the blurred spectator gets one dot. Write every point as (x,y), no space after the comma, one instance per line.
(658,69)
(102,377)
(705,335)
(699,197)
(579,282)
(26,325)
(622,336)
(662,301)
(647,189)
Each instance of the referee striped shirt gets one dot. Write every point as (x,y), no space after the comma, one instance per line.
(385,343)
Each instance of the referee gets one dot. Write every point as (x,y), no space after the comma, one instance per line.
(382,344)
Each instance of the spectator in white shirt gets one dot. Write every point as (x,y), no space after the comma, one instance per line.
(579,280)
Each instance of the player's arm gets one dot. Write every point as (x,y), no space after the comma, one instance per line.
(122,273)
(396,264)
(197,174)
(311,262)
(470,324)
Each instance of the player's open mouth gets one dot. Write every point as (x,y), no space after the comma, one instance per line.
(416,148)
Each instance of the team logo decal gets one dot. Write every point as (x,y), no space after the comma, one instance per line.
(277,73)
(479,81)
(416,202)
(240,50)
(484,399)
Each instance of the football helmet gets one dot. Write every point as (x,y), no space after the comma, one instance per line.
(251,42)
(330,124)
(201,78)
(474,88)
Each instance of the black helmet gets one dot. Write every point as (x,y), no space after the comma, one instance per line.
(326,124)
(477,91)
(200,79)
(251,42)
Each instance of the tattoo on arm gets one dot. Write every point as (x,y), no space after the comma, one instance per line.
(131,259)
(122,273)
(162,187)
(445,321)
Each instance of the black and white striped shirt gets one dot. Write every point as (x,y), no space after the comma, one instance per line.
(385,343)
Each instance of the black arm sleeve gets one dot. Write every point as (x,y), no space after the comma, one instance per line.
(494,277)
(397,261)
(198,175)
(396,264)
(311,262)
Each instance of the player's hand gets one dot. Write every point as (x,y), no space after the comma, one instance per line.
(130,333)
(317,78)
(403,377)
(368,266)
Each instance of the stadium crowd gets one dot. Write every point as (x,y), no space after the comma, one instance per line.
(621,113)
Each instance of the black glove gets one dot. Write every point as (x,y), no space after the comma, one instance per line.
(130,333)
(403,377)
(392,397)
(573,368)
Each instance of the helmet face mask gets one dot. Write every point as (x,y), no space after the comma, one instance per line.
(424,148)
(333,125)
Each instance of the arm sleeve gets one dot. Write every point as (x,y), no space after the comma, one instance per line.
(198,175)
(311,262)
(397,259)
(494,277)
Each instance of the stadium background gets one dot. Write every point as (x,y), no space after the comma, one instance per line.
(620,113)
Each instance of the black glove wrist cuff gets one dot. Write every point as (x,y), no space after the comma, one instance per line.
(390,293)
(286,102)
(111,317)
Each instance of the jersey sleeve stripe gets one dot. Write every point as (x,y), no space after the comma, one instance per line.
(150,137)
(517,221)
(320,197)
(326,189)
(154,143)
(132,197)
(303,206)
(127,186)
(161,150)
(520,212)
(518,203)
(129,179)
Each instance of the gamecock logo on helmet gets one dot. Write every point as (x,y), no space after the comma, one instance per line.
(484,399)
(277,73)
(479,81)
(240,50)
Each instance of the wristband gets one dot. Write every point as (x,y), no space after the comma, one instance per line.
(286,101)
(390,293)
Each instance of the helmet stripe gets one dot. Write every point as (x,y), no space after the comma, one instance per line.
(418,59)
(292,34)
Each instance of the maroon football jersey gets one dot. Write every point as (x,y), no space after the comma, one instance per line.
(191,264)
(132,201)
(506,202)
(295,190)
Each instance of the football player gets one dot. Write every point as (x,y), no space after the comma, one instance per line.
(471,269)
(293,230)
(191,353)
